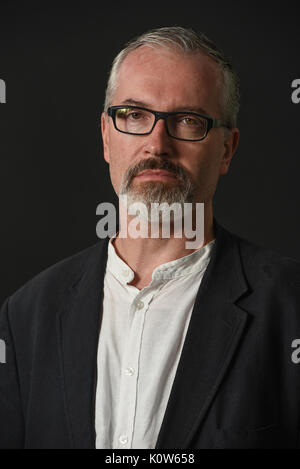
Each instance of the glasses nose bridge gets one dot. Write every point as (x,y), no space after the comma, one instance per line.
(160,115)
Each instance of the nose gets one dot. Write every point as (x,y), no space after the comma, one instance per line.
(158,143)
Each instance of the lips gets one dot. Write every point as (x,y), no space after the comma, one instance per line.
(156,173)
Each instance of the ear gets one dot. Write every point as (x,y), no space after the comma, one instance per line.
(105,135)
(231,141)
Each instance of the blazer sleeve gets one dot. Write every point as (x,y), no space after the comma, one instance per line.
(11,415)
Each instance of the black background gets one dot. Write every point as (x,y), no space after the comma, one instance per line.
(55,60)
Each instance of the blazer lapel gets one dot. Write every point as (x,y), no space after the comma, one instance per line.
(213,335)
(78,329)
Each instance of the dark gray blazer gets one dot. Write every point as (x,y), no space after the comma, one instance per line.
(236,384)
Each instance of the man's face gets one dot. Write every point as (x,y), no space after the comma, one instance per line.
(166,81)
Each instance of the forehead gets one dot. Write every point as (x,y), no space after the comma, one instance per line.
(169,80)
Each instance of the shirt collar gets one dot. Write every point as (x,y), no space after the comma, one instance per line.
(197,261)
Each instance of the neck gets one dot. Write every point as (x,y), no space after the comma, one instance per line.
(144,254)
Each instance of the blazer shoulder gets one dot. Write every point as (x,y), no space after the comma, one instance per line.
(266,266)
(55,279)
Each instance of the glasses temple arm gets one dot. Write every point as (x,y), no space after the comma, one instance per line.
(220,123)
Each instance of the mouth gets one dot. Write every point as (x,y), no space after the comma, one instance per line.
(156,174)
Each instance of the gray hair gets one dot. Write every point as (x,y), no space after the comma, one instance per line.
(185,41)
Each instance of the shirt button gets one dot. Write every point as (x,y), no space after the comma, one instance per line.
(125,272)
(129,371)
(140,305)
(123,439)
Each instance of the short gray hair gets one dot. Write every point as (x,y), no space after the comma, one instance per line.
(185,41)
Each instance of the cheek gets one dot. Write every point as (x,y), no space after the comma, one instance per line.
(204,168)
(118,164)
(204,160)
(124,151)
(120,148)
(116,172)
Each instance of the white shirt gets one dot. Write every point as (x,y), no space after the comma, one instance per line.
(141,338)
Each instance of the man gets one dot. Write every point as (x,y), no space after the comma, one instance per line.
(142,342)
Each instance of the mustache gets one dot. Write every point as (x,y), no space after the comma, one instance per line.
(154,163)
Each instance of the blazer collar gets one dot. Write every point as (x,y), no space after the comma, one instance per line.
(212,338)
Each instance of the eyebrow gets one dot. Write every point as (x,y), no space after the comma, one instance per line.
(133,102)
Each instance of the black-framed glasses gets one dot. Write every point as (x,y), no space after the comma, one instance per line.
(189,126)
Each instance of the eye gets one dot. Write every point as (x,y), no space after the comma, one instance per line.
(134,115)
(125,112)
(131,114)
(190,121)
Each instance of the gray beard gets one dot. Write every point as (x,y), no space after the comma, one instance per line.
(150,192)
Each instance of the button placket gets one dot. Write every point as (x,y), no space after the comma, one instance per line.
(140,304)
(129,378)
(129,371)
(123,439)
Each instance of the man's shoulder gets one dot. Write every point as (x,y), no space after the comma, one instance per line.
(55,279)
(264,266)
(271,283)
(272,261)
